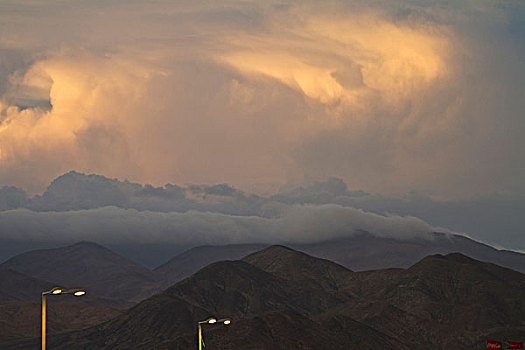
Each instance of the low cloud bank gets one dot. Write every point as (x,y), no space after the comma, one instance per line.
(295,224)
(323,206)
(493,218)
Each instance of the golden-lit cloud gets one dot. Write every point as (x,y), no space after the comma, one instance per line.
(390,96)
(347,60)
(83,91)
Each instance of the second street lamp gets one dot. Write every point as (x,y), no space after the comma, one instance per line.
(55,291)
(210,320)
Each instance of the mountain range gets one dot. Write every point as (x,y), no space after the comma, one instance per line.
(280,298)
(360,252)
(111,279)
(115,280)
(129,217)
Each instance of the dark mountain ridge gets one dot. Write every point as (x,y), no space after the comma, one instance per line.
(20,319)
(120,282)
(194,259)
(15,286)
(279,298)
(360,252)
(366,251)
(448,301)
(300,268)
(90,266)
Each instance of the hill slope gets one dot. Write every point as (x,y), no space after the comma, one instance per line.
(279,298)
(449,301)
(360,252)
(100,271)
(15,286)
(22,319)
(191,261)
(260,303)
(366,251)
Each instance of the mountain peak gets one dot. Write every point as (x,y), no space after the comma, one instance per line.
(460,258)
(296,266)
(277,249)
(269,257)
(87,244)
(194,259)
(88,265)
(455,257)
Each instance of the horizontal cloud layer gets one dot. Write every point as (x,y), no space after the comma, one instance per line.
(296,224)
(496,219)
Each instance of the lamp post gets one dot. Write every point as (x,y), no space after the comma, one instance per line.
(55,291)
(210,320)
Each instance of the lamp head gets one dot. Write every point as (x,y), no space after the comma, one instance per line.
(56,291)
(227,321)
(212,320)
(79,293)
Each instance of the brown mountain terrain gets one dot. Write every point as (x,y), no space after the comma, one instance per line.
(192,260)
(281,299)
(117,281)
(20,308)
(365,251)
(303,270)
(22,319)
(15,286)
(360,252)
(111,278)
(447,301)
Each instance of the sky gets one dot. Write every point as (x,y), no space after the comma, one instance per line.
(396,98)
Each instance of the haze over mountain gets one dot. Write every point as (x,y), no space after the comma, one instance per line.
(115,280)
(280,299)
(129,216)
(360,252)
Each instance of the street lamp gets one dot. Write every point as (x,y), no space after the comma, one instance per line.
(55,291)
(210,320)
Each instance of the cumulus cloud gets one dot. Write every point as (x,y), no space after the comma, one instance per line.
(74,191)
(390,96)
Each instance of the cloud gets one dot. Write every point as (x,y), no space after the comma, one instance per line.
(494,218)
(92,207)
(391,96)
(75,191)
(12,198)
(296,224)
(87,117)
(362,57)
(323,209)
